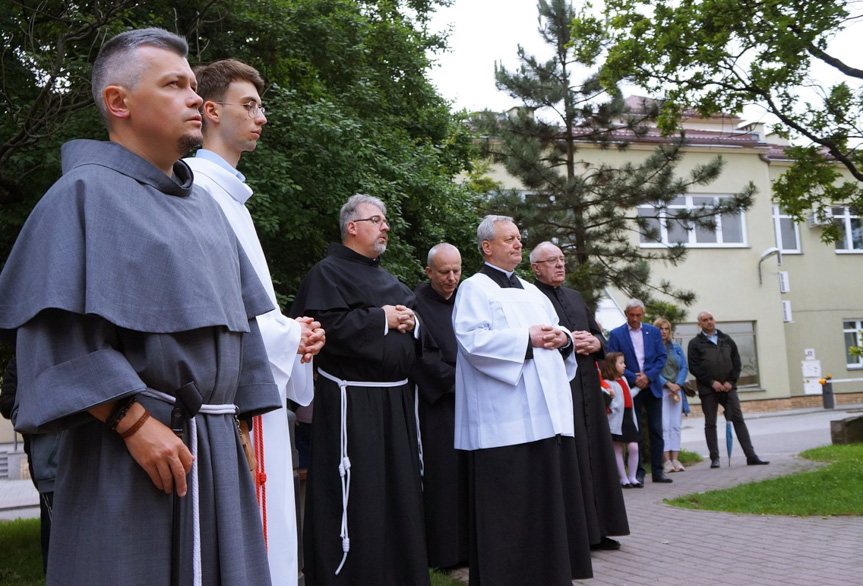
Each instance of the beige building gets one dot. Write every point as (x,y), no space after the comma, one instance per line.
(791,302)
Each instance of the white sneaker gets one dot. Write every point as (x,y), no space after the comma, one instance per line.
(678,467)
(668,467)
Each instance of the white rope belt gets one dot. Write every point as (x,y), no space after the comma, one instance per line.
(419,431)
(344,461)
(229,409)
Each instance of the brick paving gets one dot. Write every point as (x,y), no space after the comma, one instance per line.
(666,544)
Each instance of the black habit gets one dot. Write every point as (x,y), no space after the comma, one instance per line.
(345,292)
(445,468)
(603,497)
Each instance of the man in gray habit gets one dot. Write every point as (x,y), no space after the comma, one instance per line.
(127,288)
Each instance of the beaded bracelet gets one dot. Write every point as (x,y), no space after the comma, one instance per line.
(135,426)
(119,413)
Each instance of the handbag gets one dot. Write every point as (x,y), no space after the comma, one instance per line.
(689,388)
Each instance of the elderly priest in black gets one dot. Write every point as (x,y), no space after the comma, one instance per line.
(364,515)
(603,497)
(444,467)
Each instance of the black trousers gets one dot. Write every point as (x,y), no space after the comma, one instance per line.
(646,400)
(731,404)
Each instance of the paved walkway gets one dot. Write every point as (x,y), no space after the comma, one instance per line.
(666,544)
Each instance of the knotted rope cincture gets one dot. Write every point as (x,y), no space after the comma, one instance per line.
(344,461)
(229,409)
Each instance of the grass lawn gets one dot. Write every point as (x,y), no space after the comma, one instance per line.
(831,490)
(22,553)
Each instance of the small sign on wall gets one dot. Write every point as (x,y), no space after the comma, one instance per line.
(809,353)
(811,373)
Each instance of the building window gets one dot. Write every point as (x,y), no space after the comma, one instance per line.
(786,231)
(852,231)
(665,229)
(743,334)
(851,330)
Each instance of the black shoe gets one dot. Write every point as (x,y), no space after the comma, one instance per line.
(637,485)
(714,463)
(756,461)
(661,477)
(606,544)
(639,476)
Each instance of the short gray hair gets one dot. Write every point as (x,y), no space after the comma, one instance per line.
(633,303)
(485,230)
(349,211)
(117,63)
(535,252)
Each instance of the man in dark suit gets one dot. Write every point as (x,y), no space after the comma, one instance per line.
(600,485)
(645,356)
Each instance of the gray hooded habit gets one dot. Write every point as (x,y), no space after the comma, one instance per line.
(122,281)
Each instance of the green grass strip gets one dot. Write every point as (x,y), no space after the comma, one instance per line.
(833,489)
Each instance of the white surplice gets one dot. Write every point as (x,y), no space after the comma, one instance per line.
(281,337)
(502,399)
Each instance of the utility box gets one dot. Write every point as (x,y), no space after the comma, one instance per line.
(811,376)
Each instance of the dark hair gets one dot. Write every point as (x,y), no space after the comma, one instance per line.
(214,79)
(608,367)
(117,63)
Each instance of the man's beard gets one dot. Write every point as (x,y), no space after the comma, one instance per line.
(380,247)
(189,141)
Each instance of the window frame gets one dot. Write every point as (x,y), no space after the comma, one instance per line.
(854,331)
(778,216)
(661,215)
(738,331)
(845,221)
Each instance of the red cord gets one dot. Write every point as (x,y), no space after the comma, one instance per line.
(261,473)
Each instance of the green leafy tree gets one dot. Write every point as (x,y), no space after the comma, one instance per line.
(589,208)
(721,55)
(350,109)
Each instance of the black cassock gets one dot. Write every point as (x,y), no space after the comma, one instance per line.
(445,491)
(345,292)
(600,484)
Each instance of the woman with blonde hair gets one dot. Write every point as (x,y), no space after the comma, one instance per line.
(673,399)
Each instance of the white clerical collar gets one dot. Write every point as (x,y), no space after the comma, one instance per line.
(507,273)
(217,159)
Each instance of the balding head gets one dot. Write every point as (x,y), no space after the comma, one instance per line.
(707,323)
(444,269)
(548,264)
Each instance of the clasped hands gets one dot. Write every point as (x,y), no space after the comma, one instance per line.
(400,318)
(548,337)
(721,387)
(312,338)
(584,342)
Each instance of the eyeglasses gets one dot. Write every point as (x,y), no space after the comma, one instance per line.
(553,261)
(251,107)
(376,220)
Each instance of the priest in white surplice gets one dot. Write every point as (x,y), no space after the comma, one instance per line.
(514,415)
(233,117)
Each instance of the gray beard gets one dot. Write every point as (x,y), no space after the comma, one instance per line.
(380,248)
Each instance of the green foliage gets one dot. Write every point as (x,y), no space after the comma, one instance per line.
(721,55)
(830,490)
(349,106)
(588,209)
(22,553)
(657,308)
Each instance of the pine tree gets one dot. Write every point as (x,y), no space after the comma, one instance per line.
(589,209)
